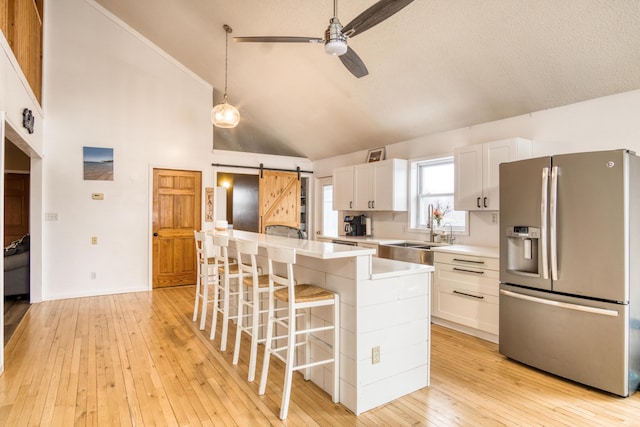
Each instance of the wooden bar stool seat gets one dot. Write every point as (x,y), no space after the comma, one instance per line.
(305,293)
(299,300)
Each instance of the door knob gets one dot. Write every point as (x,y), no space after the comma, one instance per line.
(155,234)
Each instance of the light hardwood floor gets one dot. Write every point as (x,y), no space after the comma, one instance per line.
(138,359)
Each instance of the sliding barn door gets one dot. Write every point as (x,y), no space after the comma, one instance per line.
(279,199)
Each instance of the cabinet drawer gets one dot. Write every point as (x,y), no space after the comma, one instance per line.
(468,260)
(470,279)
(474,310)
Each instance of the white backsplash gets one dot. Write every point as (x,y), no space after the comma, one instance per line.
(394,225)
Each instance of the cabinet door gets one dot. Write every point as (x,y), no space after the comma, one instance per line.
(468,178)
(343,189)
(493,154)
(363,185)
(383,186)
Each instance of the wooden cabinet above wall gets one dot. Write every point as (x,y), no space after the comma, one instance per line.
(21,24)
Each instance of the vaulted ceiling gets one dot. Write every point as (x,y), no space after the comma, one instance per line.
(434,66)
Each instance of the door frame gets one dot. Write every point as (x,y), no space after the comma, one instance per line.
(203,185)
(250,170)
(319,184)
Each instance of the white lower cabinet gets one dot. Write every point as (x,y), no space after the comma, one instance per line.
(465,292)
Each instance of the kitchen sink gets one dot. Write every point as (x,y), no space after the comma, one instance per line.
(418,253)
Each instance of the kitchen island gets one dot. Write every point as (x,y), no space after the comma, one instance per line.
(384,306)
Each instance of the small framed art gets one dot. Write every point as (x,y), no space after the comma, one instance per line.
(375,155)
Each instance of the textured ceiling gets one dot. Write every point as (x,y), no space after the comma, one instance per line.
(436,65)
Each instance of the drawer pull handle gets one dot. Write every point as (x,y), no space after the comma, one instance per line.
(467,271)
(468,295)
(468,260)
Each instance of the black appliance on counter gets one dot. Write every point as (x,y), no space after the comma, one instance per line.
(355,225)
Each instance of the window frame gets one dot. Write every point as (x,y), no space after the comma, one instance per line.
(415,195)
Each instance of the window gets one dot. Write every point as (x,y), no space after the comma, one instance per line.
(432,184)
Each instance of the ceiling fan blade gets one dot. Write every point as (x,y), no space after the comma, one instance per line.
(278,39)
(373,16)
(352,61)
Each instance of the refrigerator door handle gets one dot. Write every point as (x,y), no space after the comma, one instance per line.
(569,306)
(553,215)
(543,223)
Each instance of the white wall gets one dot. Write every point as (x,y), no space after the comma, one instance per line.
(106,86)
(605,123)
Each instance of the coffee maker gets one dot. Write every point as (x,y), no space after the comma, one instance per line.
(355,225)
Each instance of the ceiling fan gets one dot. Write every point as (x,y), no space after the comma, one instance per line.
(336,36)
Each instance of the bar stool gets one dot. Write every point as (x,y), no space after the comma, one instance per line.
(227,272)
(297,297)
(252,288)
(205,275)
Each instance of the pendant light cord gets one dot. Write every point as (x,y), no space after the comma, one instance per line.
(227,30)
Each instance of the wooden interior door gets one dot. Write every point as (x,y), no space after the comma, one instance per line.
(279,199)
(16,206)
(176,214)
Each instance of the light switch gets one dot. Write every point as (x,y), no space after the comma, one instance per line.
(97,196)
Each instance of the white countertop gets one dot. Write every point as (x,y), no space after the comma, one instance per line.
(310,248)
(485,251)
(383,268)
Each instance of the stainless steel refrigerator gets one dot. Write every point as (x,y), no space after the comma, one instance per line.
(570,267)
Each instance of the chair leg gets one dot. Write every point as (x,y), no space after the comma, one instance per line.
(307,344)
(225,314)
(267,348)
(255,323)
(205,298)
(288,375)
(216,300)
(336,349)
(196,305)
(240,322)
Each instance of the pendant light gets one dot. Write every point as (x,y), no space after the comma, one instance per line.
(225,115)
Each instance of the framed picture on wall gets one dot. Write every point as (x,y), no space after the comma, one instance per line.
(375,155)
(208,211)
(98,163)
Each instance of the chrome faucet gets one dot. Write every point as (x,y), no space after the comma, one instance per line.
(430,221)
(451,238)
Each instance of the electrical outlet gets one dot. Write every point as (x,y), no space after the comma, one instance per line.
(94,240)
(494,218)
(375,355)
(93,275)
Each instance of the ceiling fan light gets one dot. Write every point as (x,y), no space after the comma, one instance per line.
(336,42)
(335,47)
(225,115)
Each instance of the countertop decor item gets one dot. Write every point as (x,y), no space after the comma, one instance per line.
(225,115)
(439,213)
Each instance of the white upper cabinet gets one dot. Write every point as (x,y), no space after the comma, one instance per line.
(343,189)
(380,186)
(477,172)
